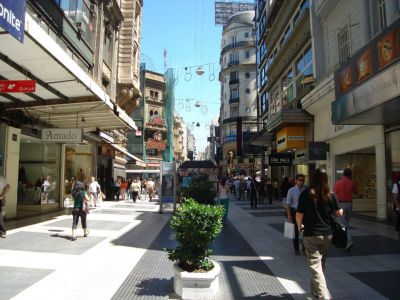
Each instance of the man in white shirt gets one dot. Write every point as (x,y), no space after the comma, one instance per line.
(150,188)
(4,189)
(94,190)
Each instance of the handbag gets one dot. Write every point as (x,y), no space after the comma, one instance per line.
(102,196)
(339,234)
(289,230)
(85,207)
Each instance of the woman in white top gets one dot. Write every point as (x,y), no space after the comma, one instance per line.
(223,196)
(94,190)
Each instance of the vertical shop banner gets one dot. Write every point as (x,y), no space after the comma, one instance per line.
(345,79)
(239,137)
(12,17)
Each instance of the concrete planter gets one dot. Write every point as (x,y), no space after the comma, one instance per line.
(190,286)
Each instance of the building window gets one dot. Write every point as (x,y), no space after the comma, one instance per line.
(264,102)
(304,4)
(275,102)
(287,88)
(234,58)
(247,91)
(234,113)
(247,54)
(382,13)
(234,75)
(247,75)
(234,93)
(304,72)
(246,34)
(232,40)
(344,44)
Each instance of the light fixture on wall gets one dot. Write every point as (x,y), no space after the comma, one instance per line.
(200,71)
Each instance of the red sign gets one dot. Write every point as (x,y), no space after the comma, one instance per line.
(155,144)
(17,86)
(345,81)
(388,49)
(157,120)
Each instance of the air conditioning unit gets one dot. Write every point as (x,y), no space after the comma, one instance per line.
(93,8)
(80,26)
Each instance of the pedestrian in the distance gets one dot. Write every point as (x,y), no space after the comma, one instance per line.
(135,189)
(344,189)
(150,188)
(94,190)
(81,209)
(223,196)
(4,189)
(254,192)
(285,186)
(270,191)
(292,201)
(314,216)
(124,186)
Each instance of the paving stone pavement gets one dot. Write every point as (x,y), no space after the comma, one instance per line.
(123,258)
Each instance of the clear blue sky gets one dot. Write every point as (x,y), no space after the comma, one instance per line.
(188,33)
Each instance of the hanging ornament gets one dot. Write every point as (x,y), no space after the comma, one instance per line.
(180,104)
(200,71)
(188,108)
(188,73)
(204,110)
(211,75)
(198,103)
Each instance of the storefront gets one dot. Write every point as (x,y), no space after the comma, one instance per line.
(392,139)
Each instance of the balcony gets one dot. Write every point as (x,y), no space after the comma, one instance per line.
(234,99)
(154,100)
(237,45)
(234,81)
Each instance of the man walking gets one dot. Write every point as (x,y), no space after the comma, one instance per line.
(292,201)
(236,184)
(135,188)
(4,189)
(344,189)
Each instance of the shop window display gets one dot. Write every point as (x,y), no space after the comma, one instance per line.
(79,165)
(363,166)
(38,175)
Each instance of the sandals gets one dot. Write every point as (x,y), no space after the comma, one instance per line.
(86,234)
(73,238)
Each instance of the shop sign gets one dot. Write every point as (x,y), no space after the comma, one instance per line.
(290,138)
(229,138)
(388,48)
(364,65)
(317,151)
(138,133)
(156,142)
(345,80)
(157,120)
(12,17)
(62,135)
(280,159)
(17,86)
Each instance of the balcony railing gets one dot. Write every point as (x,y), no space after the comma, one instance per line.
(234,81)
(234,99)
(233,63)
(250,43)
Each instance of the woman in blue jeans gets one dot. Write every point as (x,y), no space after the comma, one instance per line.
(223,196)
(314,215)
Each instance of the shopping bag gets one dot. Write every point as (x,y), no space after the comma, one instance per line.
(289,230)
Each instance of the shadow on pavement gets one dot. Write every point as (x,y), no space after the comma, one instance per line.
(153,287)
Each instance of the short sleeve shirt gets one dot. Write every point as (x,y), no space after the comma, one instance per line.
(3,183)
(395,189)
(293,196)
(318,215)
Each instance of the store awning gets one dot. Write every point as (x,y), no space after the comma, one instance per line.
(137,160)
(65,96)
(262,139)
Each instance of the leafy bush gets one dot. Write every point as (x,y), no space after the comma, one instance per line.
(200,189)
(196,226)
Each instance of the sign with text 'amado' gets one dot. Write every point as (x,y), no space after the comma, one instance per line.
(17,86)
(12,17)
(62,135)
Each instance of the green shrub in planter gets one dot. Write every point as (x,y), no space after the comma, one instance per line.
(196,226)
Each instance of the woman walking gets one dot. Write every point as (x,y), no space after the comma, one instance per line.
(81,209)
(223,196)
(314,215)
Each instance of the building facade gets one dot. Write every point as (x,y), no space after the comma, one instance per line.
(285,75)
(69,127)
(355,102)
(238,91)
(180,139)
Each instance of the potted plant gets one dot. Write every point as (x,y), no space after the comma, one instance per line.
(196,226)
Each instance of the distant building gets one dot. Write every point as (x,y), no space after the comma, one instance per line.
(238,112)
